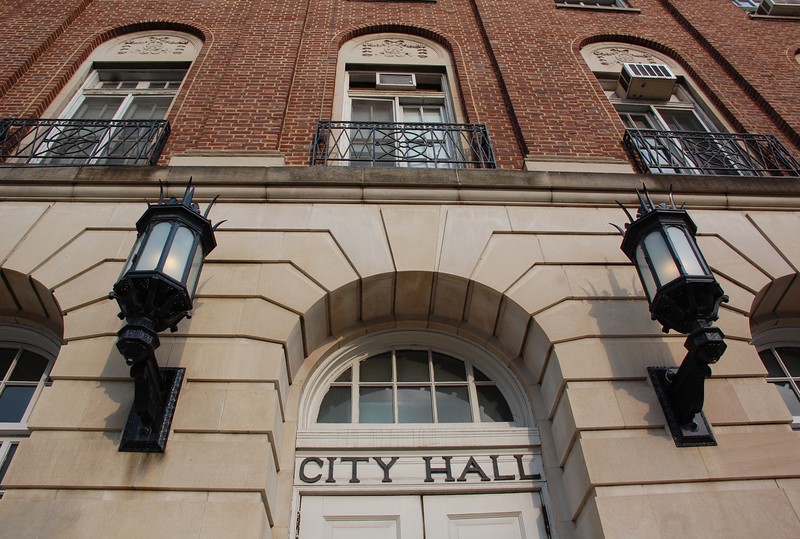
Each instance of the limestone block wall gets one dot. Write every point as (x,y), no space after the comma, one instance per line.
(544,287)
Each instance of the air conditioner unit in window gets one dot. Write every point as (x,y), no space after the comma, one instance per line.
(779,8)
(395,81)
(646,81)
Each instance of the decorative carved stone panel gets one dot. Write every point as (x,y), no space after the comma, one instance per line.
(154,45)
(618,56)
(394,48)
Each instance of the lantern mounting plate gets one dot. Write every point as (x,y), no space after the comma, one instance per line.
(138,438)
(698,433)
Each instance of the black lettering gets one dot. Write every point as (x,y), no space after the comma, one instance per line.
(473,467)
(522,475)
(496,469)
(303,477)
(385,467)
(429,471)
(330,478)
(355,461)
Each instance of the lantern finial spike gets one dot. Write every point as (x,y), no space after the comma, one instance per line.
(647,194)
(210,204)
(160,192)
(630,217)
(188,194)
(671,199)
(643,209)
(619,228)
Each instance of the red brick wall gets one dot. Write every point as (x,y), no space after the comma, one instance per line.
(266,72)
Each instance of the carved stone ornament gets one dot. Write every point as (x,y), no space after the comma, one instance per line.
(619,56)
(394,48)
(154,45)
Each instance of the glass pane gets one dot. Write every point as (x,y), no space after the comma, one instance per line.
(148,108)
(789,397)
(791,360)
(345,376)
(7,355)
(151,253)
(14,401)
(412,366)
(375,405)
(414,405)
(179,253)
(372,110)
(773,367)
(377,368)
(432,115)
(681,120)
(452,404)
(30,367)
(479,376)
(9,456)
(194,270)
(685,252)
(492,404)
(98,108)
(660,258)
(412,114)
(448,369)
(335,407)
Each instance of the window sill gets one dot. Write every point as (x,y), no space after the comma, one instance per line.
(775,17)
(619,9)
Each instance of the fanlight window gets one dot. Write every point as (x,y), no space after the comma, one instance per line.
(413,386)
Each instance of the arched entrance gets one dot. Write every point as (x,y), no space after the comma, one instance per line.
(416,433)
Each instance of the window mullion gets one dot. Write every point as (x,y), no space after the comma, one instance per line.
(473,394)
(433,387)
(395,403)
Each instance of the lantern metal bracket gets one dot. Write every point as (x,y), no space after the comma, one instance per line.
(138,437)
(696,432)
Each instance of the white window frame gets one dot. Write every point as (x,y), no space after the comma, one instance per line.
(380,342)
(781,337)
(41,343)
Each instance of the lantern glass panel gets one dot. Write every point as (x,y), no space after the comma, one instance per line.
(660,257)
(134,251)
(179,253)
(194,270)
(644,273)
(684,251)
(151,253)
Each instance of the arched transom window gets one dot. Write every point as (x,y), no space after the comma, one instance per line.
(412,385)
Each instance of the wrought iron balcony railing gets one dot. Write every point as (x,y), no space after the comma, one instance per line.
(722,154)
(82,142)
(424,145)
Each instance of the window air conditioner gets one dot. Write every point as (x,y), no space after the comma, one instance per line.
(779,8)
(646,81)
(395,81)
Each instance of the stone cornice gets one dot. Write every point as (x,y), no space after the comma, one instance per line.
(410,186)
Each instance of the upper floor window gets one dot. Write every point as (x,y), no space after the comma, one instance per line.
(749,5)
(397,106)
(113,111)
(593,3)
(671,127)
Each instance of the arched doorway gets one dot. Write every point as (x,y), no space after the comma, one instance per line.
(417,434)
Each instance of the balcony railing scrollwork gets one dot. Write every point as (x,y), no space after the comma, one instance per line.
(60,142)
(423,145)
(722,154)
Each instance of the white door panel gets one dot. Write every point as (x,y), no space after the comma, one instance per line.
(467,516)
(360,517)
(481,516)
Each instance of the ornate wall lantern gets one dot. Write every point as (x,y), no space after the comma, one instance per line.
(154,292)
(684,296)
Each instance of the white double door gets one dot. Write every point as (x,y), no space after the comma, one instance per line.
(465,516)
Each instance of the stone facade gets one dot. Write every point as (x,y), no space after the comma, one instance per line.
(521,263)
